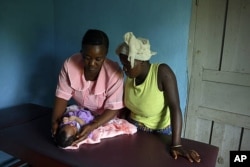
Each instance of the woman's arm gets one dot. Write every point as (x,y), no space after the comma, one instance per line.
(171,95)
(59,108)
(169,86)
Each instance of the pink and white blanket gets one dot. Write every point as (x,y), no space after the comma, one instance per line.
(113,128)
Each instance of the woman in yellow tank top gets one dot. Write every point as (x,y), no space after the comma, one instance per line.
(151,94)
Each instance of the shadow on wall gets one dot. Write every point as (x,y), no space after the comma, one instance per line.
(43,80)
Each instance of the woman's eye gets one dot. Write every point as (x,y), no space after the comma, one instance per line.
(87,58)
(98,59)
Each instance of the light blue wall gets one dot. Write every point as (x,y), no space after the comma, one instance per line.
(33,33)
(26,52)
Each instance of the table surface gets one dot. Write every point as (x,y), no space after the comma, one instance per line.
(31,142)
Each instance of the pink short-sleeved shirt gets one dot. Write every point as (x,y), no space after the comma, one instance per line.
(104,93)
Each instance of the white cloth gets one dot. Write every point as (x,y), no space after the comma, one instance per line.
(135,48)
(114,127)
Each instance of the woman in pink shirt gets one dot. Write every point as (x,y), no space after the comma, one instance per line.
(93,81)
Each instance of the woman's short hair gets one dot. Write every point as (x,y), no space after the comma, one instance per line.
(95,37)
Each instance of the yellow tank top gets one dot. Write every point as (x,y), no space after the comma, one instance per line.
(146,102)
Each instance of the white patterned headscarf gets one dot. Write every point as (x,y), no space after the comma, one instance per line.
(135,48)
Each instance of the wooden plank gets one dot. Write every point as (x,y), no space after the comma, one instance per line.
(245,144)
(233,78)
(226,97)
(227,138)
(203,130)
(222,117)
(237,42)
(217,140)
(191,39)
(198,129)
(190,128)
(210,26)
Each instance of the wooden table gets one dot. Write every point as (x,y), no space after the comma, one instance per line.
(30,140)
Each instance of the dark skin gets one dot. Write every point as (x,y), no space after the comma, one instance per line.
(167,83)
(93,58)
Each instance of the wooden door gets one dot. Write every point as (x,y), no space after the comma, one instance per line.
(218,110)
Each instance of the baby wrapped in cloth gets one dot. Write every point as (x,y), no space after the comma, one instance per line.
(112,128)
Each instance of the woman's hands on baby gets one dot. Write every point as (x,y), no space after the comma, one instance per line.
(54,128)
(84,133)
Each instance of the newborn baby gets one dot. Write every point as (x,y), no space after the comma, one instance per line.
(71,124)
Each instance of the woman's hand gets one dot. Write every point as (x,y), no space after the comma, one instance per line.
(59,108)
(54,127)
(191,155)
(84,133)
(98,121)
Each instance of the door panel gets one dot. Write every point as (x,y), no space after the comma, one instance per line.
(236,52)
(218,110)
(226,97)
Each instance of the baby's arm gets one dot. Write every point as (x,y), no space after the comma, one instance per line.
(77,119)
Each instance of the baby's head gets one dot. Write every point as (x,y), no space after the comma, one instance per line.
(66,135)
